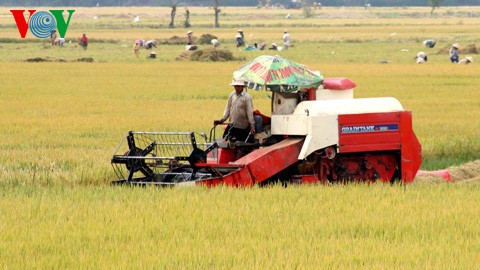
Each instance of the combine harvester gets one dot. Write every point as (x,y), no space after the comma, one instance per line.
(317,133)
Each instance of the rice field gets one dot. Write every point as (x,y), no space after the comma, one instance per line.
(425,226)
(62,121)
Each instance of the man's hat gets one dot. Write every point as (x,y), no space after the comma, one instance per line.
(238,82)
(189,32)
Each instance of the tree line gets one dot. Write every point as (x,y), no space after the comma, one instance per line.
(285,3)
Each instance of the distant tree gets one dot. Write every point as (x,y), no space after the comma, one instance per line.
(216,5)
(434,4)
(172,15)
(307,8)
(187,18)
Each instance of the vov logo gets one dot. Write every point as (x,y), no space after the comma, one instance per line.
(41,23)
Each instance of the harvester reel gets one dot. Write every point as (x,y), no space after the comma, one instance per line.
(139,164)
(160,158)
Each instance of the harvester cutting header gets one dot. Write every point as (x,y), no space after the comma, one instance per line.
(316,133)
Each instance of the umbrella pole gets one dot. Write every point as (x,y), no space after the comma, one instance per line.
(311,94)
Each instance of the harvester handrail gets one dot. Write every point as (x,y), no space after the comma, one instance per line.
(145,157)
(161,133)
(174,143)
(213,130)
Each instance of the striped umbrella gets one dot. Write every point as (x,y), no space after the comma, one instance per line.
(278,74)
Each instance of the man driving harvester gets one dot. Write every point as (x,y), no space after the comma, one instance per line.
(239,109)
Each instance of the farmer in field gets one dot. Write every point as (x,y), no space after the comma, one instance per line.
(273,47)
(454,53)
(421,58)
(240,38)
(239,109)
(189,38)
(250,47)
(465,61)
(430,43)
(61,41)
(84,41)
(150,44)
(53,37)
(136,47)
(215,42)
(286,40)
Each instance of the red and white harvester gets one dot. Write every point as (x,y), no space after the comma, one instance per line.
(314,135)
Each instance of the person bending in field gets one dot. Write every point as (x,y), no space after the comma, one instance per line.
(421,58)
(84,41)
(273,47)
(240,38)
(430,43)
(465,61)
(53,37)
(454,53)
(150,44)
(61,41)
(239,110)
(215,42)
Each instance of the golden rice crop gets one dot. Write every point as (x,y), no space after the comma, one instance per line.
(298,227)
(62,121)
